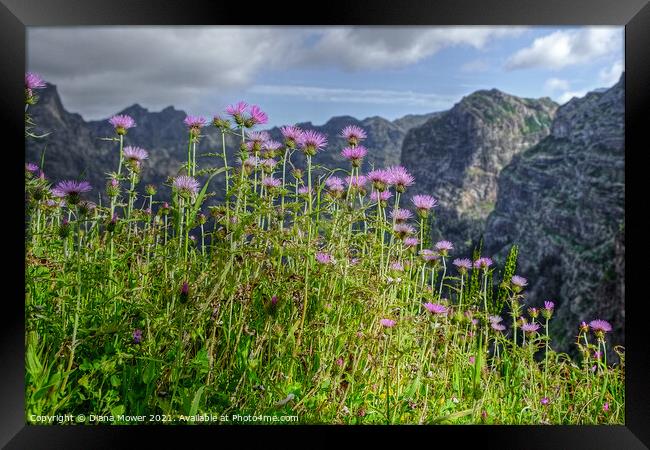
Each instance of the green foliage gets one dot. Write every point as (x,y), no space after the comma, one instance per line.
(509,269)
(475,278)
(268,329)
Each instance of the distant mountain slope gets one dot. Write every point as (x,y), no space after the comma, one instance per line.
(457,157)
(73,148)
(563,202)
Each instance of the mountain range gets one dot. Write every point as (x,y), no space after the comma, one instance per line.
(506,170)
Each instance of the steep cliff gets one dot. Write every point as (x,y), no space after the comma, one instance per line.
(563,202)
(457,157)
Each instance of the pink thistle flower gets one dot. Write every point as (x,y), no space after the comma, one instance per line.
(600,327)
(137,336)
(334,182)
(424,203)
(530,327)
(357,183)
(353,134)
(463,265)
(135,154)
(121,123)
(195,121)
(544,401)
(497,326)
(292,135)
(257,139)
(397,266)
(606,407)
(483,263)
(472,359)
(33,81)
(518,281)
(435,308)
(547,312)
(400,178)
(429,255)
(339,362)
(271,183)
(250,163)
(237,112)
(584,327)
(257,117)
(387,323)
(380,179)
(443,247)
(354,154)
(270,148)
(71,190)
(401,215)
(186,186)
(495,319)
(268,165)
(325,258)
(411,242)
(380,197)
(403,229)
(311,142)
(335,186)
(303,190)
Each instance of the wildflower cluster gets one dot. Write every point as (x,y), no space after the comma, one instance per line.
(307,287)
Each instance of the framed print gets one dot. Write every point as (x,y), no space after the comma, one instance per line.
(380,219)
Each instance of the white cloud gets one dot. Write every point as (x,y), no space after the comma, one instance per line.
(565,48)
(370,96)
(100,70)
(566,96)
(610,76)
(389,47)
(556,84)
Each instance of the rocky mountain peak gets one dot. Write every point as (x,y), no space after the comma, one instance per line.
(49,103)
(457,156)
(562,202)
(598,116)
(135,110)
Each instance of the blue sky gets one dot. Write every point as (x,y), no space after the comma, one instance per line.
(299,74)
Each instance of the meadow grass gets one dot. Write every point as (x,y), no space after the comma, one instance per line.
(298,295)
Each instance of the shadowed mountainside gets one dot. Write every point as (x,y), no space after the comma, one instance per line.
(563,202)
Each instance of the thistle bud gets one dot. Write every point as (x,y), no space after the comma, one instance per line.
(185,292)
(164,209)
(64,229)
(112,224)
(223,124)
(113,187)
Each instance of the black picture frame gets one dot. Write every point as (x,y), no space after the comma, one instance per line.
(16,15)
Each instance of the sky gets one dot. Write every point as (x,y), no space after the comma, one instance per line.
(301,74)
